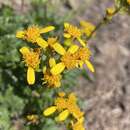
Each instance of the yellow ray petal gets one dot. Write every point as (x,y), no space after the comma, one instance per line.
(62,116)
(49,111)
(20,34)
(73,49)
(47,29)
(81,42)
(24,50)
(67,35)
(90,66)
(52,62)
(41,42)
(58,68)
(59,48)
(30,76)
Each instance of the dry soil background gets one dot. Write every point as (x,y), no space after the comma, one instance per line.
(107,98)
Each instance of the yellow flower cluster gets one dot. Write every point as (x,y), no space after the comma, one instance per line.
(72,53)
(67,105)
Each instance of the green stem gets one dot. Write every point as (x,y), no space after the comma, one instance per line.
(104,21)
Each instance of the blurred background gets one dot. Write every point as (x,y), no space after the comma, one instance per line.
(105,95)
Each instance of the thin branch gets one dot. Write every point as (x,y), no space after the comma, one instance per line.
(104,20)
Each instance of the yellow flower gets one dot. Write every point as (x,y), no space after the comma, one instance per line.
(128,1)
(66,106)
(68,60)
(87,27)
(33,118)
(71,31)
(32,60)
(83,55)
(33,34)
(50,79)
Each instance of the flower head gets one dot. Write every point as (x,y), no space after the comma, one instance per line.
(67,106)
(83,56)
(50,79)
(71,31)
(68,60)
(32,60)
(33,35)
